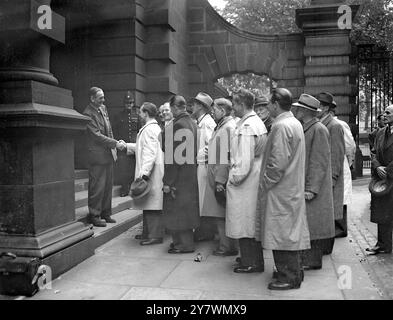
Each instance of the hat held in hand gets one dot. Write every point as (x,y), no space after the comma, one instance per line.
(379,188)
(139,188)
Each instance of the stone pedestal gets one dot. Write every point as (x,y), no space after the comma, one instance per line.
(37,129)
(328,55)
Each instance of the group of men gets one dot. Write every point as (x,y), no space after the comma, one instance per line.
(259,173)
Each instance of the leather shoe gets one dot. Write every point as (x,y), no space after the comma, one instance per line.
(378,250)
(275,275)
(140,237)
(176,251)
(248,269)
(222,253)
(97,222)
(123,194)
(109,220)
(306,268)
(277,285)
(149,242)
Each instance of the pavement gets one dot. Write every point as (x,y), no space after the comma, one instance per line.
(123,270)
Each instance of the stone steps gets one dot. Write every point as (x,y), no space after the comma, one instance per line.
(125,217)
(81,197)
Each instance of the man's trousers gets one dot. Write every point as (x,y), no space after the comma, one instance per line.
(341,225)
(313,257)
(183,239)
(100,190)
(152,224)
(385,236)
(251,253)
(126,171)
(225,244)
(288,264)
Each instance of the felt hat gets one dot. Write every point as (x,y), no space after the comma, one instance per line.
(204,98)
(379,187)
(327,98)
(307,102)
(261,102)
(139,188)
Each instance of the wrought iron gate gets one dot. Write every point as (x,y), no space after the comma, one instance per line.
(375,85)
(375,82)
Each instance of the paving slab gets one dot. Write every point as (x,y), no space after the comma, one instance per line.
(148,293)
(215,276)
(123,270)
(74,290)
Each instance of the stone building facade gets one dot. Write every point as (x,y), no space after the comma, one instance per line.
(154,48)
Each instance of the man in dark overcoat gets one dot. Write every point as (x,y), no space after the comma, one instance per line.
(382,168)
(181,198)
(337,149)
(102,152)
(318,180)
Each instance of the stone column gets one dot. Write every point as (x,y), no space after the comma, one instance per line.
(37,129)
(328,55)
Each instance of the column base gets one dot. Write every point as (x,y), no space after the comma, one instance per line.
(46,243)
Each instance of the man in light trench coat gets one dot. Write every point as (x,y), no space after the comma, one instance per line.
(282,224)
(201,108)
(337,150)
(242,189)
(149,167)
(318,180)
(218,170)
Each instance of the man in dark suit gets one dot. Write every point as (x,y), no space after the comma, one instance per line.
(382,168)
(101,154)
(337,152)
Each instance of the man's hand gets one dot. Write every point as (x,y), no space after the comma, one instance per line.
(121,145)
(381,172)
(219,187)
(309,195)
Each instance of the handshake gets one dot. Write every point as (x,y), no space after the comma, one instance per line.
(121,145)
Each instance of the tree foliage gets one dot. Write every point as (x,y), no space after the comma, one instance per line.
(263,16)
(374,24)
(259,85)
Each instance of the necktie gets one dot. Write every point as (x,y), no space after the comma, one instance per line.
(108,130)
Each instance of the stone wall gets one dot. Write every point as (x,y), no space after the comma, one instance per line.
(217,49)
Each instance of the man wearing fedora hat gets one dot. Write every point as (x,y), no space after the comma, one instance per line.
(146,190)
(337,152)
(262,110)
(382,169)
(318,189)
(201,109)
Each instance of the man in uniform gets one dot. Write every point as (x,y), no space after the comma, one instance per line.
(126,128)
